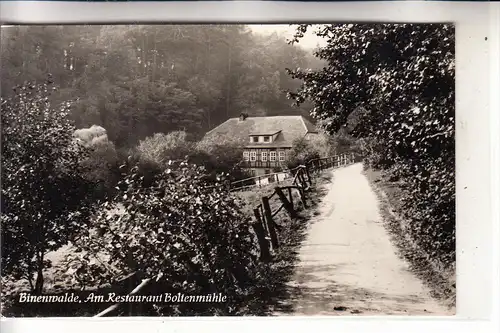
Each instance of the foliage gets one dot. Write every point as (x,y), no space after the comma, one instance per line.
(186,236)
(46,200)
(221,156)
(102,161)
(392,85)
(160,148)
(301,152)
(216,156)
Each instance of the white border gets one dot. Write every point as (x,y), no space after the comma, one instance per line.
(477,149)
(46,12)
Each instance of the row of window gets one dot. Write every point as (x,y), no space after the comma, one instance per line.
(256,139)
(252,156)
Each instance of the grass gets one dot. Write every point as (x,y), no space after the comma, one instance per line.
(439,278)
(253,196)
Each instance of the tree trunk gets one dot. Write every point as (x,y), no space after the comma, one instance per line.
(209,74)
(30,275)
(228,92)
(39,277)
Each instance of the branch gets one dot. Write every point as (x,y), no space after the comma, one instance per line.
(144,283)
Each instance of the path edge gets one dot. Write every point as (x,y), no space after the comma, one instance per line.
(442,286)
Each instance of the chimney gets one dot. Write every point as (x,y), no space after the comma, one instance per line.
(243,116)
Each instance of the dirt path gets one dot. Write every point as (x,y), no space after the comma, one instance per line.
(347,262)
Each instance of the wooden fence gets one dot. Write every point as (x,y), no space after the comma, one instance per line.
(265,226)
(283,176)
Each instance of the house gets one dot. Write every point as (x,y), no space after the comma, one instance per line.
(267,140)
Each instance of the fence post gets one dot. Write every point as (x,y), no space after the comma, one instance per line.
(269,222)
(265,255)
(291,197)
(302,196)
(302,179)
(309,179)
(286,203)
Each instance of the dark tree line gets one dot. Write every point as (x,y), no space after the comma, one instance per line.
(139,80)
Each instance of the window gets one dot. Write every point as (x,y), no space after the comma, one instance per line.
(245,155)
(282,156)
(267,139)
(255,139)
(264,156)
(272,156)
(253,156)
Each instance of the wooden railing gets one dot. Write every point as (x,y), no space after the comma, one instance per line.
(265,225)
(315,164)
(262,180)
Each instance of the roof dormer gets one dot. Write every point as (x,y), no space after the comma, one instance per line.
(263,137)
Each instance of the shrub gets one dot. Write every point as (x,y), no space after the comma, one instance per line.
(160,148)
(187,237)
(217,157)
(301,152)
(221,157)
(102,160)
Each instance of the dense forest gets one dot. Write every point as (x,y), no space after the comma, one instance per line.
(139,80)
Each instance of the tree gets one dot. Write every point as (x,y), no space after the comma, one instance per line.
(392,85)
(301,153)
(138,80)
(221,155)
(101,165)
(161,148)
(46,201)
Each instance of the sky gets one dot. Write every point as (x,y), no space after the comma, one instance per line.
(309,41)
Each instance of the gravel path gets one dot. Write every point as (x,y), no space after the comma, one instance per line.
(347,262)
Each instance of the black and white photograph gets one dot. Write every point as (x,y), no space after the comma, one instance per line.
(185,170)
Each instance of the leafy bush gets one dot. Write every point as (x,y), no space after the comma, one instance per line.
(46,200)
(102,160)
(217,157)
(176,230)
(161,148)
(301,152)
(221,157)
(392,86)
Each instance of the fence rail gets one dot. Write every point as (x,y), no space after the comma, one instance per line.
(277,177)
(264,224)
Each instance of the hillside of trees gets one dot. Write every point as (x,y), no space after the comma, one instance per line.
(136,81)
